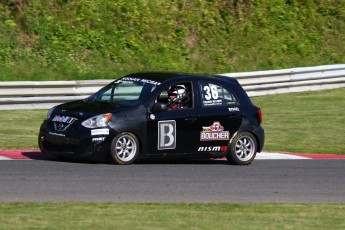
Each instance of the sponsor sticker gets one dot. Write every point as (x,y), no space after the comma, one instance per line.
(234,109)
(61,123)
(99,132)
(215,132)
(57,134)
(213,102)
(64,119)
(139,80)
(98,140)
(166,134)
(213,148)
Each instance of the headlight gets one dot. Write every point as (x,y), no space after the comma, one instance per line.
(50,111)
(97,121)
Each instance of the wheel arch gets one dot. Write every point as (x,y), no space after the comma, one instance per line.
(258,147)
(259,144)
(241,152)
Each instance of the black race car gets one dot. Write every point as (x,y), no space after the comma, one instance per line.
(152,114)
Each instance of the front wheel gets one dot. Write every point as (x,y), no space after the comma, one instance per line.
(242,149)
(124,149)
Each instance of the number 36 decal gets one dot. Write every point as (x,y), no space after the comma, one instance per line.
(211,92)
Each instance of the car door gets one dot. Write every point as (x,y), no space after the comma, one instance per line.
(220,116)
(173,132)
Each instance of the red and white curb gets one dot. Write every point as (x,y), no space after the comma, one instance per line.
(36,154)
(17,154)
(296,156)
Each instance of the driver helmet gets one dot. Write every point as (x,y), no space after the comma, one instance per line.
(179,93)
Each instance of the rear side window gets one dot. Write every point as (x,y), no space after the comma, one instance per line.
(216,95)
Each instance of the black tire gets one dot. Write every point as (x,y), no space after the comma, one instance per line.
(242,149)
(124,149)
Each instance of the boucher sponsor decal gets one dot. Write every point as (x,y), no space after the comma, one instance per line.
(215,132)
(213,149)
(166,134)
(99,132)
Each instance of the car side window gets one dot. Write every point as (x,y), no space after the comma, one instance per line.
(177,96)
(216,95)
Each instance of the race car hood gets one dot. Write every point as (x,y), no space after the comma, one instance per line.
(84,110)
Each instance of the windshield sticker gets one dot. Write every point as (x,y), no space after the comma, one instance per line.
(99,132)
(215,132)
(210,96)
(166,135)
(133,79)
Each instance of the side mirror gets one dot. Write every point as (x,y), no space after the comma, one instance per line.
(159,107)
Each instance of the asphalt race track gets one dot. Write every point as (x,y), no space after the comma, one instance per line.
(271,178)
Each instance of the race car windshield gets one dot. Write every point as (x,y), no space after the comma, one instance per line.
(124,92)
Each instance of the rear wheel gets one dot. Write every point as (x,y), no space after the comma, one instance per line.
(124,149)
(242,149)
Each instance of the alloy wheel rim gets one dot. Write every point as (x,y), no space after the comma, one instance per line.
(245,148)
(125,148)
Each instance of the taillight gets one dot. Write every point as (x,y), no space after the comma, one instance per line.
(259,115)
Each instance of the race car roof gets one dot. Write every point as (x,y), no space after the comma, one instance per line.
(163,76)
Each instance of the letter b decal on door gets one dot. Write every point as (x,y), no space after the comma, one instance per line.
(166,135)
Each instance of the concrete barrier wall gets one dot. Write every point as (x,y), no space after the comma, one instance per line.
(45,94)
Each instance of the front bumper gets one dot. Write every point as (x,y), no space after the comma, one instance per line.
(77,142)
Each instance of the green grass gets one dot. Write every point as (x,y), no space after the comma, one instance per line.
(309,122)
(83,39)
(19,128)
(170,216)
